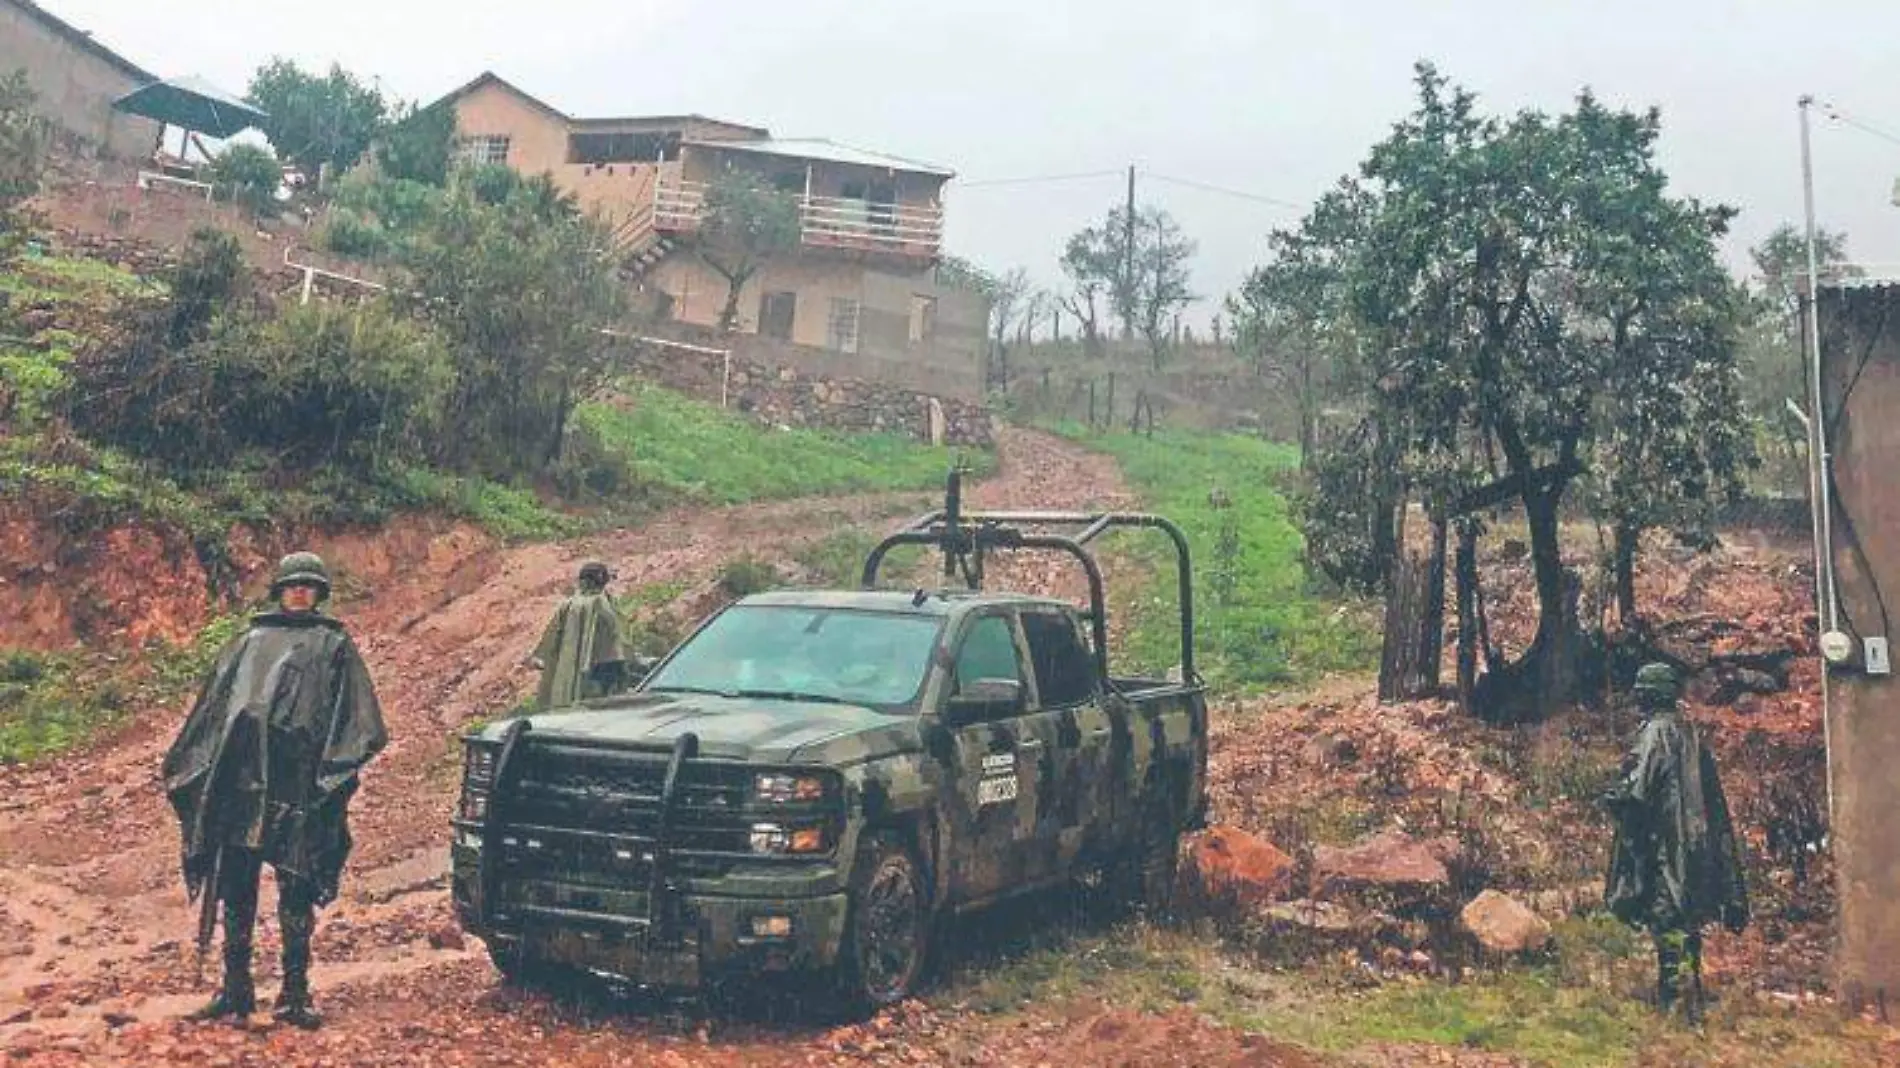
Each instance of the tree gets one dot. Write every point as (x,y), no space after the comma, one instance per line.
(521,296)
(1773,369)
(1160,284)
(418,144)
(1527,297)
(1292,318)
(151,390)
(1089,263)
(1010,296)
(317,120)
(743,225)
(1146,283)
(247,175)
(1782,261)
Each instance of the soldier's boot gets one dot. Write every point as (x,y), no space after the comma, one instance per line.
(297,919)
(237,997)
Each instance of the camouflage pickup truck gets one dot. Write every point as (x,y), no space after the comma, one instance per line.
(812,780)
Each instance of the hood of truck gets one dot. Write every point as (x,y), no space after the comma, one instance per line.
(732,728)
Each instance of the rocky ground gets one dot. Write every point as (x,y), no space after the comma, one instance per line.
(1352,838)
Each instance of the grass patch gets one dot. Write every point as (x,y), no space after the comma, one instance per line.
(1582,1011)
(505,511)
(1257,620)
(53,703)
(58,278)
(700,453)
(99,486)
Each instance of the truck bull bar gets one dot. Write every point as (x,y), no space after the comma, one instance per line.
(965,536)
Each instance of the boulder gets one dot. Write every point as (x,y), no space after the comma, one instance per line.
(939,426)
(1389,860)
(1231,862)
(1502,924)
(1319,917)
(1330,750)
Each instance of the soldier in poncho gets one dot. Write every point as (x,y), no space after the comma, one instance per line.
(263,772)
(580,655)
(1674,867)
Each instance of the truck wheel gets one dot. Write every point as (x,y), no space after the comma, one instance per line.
(886,937)
(523,969)
(1143,874)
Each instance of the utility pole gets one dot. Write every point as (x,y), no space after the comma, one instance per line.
(1128,258)
(1819,462)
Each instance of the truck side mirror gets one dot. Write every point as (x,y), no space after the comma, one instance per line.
(983,699)
(639,667)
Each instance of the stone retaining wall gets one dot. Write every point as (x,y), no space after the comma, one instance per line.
(786,396)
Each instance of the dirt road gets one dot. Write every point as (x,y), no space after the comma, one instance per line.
(94,928)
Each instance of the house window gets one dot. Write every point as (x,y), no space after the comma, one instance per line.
(923,318)
(843,328)
(486,149)
(777,311)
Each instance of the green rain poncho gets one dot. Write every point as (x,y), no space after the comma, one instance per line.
(1674,864)
(268,758)
(580,650)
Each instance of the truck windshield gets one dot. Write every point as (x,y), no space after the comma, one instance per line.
(814,654)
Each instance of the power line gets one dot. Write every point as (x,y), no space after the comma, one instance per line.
(1845,119)
(1205,187)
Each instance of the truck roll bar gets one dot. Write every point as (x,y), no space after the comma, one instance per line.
(965,537)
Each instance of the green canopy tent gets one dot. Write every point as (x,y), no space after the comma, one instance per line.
(192,104)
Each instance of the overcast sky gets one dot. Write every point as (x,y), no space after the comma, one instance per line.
(1271,97)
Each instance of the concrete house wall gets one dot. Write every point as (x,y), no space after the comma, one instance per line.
(76,79)
(1860,358)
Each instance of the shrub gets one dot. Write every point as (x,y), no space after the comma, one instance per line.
(746,576)
(21,666)
(349,234)
(398,204)
(589,470)
(247,175)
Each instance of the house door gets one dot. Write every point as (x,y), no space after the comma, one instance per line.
(777,312)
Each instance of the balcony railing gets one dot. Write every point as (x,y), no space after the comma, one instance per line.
(824,222)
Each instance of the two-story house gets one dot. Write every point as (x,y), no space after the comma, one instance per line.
(863,280)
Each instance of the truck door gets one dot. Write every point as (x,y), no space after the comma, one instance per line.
(1074,791)
(996,761)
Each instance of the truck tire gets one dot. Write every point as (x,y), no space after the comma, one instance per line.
(1143,874)
(887,934)
(522,969)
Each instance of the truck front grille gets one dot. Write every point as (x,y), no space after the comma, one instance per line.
(590,816)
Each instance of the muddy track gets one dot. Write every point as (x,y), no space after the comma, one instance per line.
(94,928)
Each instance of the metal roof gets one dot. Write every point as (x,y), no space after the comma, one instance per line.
(489,77)
(827,151)
(194,104)
(1870,281)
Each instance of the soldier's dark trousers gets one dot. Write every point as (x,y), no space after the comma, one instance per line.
(296,919)
(1679,970)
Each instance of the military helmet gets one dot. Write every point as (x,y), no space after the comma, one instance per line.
(301,569)
(1658,681)
(594,573)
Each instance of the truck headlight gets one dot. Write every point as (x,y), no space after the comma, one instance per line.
(778,789)
(778,839)
(770,838)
